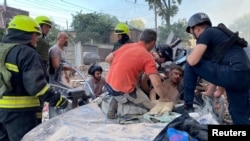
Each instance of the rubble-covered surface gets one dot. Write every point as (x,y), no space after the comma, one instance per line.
(88,123)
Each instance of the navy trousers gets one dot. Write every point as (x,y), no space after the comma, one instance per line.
(236,84)
(14,125)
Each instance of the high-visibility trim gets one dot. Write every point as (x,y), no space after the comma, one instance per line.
(19,102)
(12,67)
(39,115)
(43,91)
(59,102)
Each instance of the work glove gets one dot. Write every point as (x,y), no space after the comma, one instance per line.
(54,99)
(162,107)
(62,102)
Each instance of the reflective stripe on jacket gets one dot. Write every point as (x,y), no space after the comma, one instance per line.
(19,102)
(28,79)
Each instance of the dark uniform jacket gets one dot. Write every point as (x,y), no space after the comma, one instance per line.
(43,48)
(28,78)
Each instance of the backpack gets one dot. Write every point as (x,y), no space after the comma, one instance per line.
(5,75)
(238,40)
(183,128)
(222,48)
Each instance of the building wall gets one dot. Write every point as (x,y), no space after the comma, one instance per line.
(103,53)
(7,13)
(70,54)
(100,49)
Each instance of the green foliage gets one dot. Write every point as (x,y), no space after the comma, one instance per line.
(93,26)
(179,29)
(52,36)
(242,25)
(137,23)
(165,8)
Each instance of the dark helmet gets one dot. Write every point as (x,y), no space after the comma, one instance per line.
(196,19)
(165,51)
(93,68)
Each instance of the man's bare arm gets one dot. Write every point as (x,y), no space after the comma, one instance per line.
(144,83)
(55,62)
(158,87)
(109,58)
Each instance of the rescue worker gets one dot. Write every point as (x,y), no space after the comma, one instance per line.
(43,44)
(163,54)
(18,107)
(220,59)
(43,47)
(122,78)
(122,31)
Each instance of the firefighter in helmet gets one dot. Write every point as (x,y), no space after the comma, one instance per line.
(43,44)
(122,31)
(19,106)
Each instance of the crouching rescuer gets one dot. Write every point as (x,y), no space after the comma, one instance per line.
(126,65)
(29,89)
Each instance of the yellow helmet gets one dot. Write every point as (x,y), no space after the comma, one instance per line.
(122,28)
(43,20)
(24,23)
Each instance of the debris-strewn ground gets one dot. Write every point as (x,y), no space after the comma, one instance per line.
(76,81)
(217,106)
(89,123)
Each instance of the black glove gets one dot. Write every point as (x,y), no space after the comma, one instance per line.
(54,99)
(62,102)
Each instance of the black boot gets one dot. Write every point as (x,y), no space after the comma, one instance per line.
(184,108)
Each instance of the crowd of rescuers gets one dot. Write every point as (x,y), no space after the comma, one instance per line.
(122,80)
(200,63)
(29,79)
(203,63)
(162,55)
